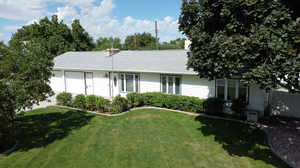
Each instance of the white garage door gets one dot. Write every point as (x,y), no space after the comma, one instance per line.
(57,82)
(75,82)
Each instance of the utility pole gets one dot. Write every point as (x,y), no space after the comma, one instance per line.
(156,35)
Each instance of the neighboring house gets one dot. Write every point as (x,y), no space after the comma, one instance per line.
(111,73)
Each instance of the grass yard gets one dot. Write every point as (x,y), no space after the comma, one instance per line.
(62,138)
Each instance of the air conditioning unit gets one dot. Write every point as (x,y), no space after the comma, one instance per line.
(252,116)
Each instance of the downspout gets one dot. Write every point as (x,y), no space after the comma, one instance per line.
(112,76)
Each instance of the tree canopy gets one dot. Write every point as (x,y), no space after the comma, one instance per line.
(55,36)
(140,41)
(104,43)
(255,40)
(82,40)
(173,44)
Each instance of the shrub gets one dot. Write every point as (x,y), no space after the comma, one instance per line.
(135,99)
(176,102)
(64,99)
(119,104)
(213,106)
(91,102)
(102,104)
(154,99)
(79,101)
(239,106)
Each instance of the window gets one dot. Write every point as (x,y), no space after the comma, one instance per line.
(220,89)
(171,84)
(231,85)
(231,89)
(129,82)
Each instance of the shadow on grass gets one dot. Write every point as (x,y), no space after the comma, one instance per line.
(40,130)
(240,140)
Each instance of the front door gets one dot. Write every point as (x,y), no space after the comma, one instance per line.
(89,84)
(115,86)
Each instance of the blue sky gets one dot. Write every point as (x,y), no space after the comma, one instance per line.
(101,18)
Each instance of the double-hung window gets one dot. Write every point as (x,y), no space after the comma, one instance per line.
(229,89)
(129,82)
(171,84)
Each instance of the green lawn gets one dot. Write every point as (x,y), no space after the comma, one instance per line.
(61,138)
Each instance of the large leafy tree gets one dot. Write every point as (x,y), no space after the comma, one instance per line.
(105,43)
(82,40)
(24,80)
(140,41)
(256,40)
(54,35)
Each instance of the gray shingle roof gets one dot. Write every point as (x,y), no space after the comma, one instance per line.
(164,61)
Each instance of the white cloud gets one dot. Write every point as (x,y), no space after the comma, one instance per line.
(67,13)
(22,9)
(12,28)
(98,20)
(1,34)
(79,3)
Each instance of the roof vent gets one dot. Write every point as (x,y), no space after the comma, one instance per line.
(111,51)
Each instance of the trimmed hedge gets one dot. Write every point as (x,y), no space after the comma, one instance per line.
(214,106)
(135,99)
(91,102)
(154,99)
(102,104)
(175,102)
(64,99)
(79,101)
(119,104)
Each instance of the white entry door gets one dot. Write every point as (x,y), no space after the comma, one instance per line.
(89,83)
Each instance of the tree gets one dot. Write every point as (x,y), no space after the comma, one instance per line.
(256,40)
(56,37)
(105,43)
(140,41)
(82,40)
(173,44)
(24,80)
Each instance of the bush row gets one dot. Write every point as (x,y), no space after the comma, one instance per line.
(175,102)
(120,104)
(212,106)
(91,102)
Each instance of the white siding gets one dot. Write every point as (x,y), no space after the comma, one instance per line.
(75,82)
(57,82)
(101,83)
(149,82)
(257,98)
(194,86)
